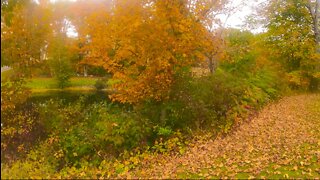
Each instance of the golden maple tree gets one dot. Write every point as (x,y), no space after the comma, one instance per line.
(145,45)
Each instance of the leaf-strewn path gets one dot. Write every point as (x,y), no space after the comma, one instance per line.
(283,141)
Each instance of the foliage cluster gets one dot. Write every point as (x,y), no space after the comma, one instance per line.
(62,72)
(99,136)
(82,131)
(20,123)
(242,83)
(293,41)
(215,101)
(161,38)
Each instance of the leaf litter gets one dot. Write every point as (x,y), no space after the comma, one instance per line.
(282,139)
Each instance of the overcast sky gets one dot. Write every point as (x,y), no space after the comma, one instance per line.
(243,9)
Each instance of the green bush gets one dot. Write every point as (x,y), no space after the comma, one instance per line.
(85,130)
(214,97)
(224,98)
(97,71)
(62,71)
(215,101)
(101,84)
(164,131)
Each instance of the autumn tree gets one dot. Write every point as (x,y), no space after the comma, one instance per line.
(292,37)
(214,43)
(160,39)
(239,44)
(61,53)
(24,31)
(78,13)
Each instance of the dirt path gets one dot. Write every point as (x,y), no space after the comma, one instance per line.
(283,141)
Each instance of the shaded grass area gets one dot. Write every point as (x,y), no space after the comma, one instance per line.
(76,83)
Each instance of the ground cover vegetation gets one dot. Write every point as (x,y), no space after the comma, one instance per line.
(166,77)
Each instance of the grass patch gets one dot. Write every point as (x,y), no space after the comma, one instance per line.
(315,106)
(70,89)
(189,175)
(76,83)
(81,81)
(243,175)
(42,83)
(294,170)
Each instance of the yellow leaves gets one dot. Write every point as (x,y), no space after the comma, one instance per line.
(302,163)
(25,36)
(21,148)
(295,78)
(316,75)
(250,148)
(220,165)
(58,154)
(51,140)
(115,124)
(145,56)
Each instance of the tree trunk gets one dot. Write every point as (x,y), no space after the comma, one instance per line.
(212,64)
(315,20)
(316,24)
(85,71)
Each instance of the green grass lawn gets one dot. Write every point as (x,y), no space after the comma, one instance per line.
(76,83)
(39,84)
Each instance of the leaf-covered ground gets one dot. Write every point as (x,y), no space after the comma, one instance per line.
(283,141)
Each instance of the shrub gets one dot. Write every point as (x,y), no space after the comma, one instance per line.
(214,97)
(82,131)
(101,84)
(20,124)
(164,131)
(97,71)
(62,71)
(216,101)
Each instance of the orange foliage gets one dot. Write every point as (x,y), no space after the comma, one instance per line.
(24,39)
(144,44)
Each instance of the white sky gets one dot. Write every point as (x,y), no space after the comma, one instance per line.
(243,9)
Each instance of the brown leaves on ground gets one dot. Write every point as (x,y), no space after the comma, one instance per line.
(285,133)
